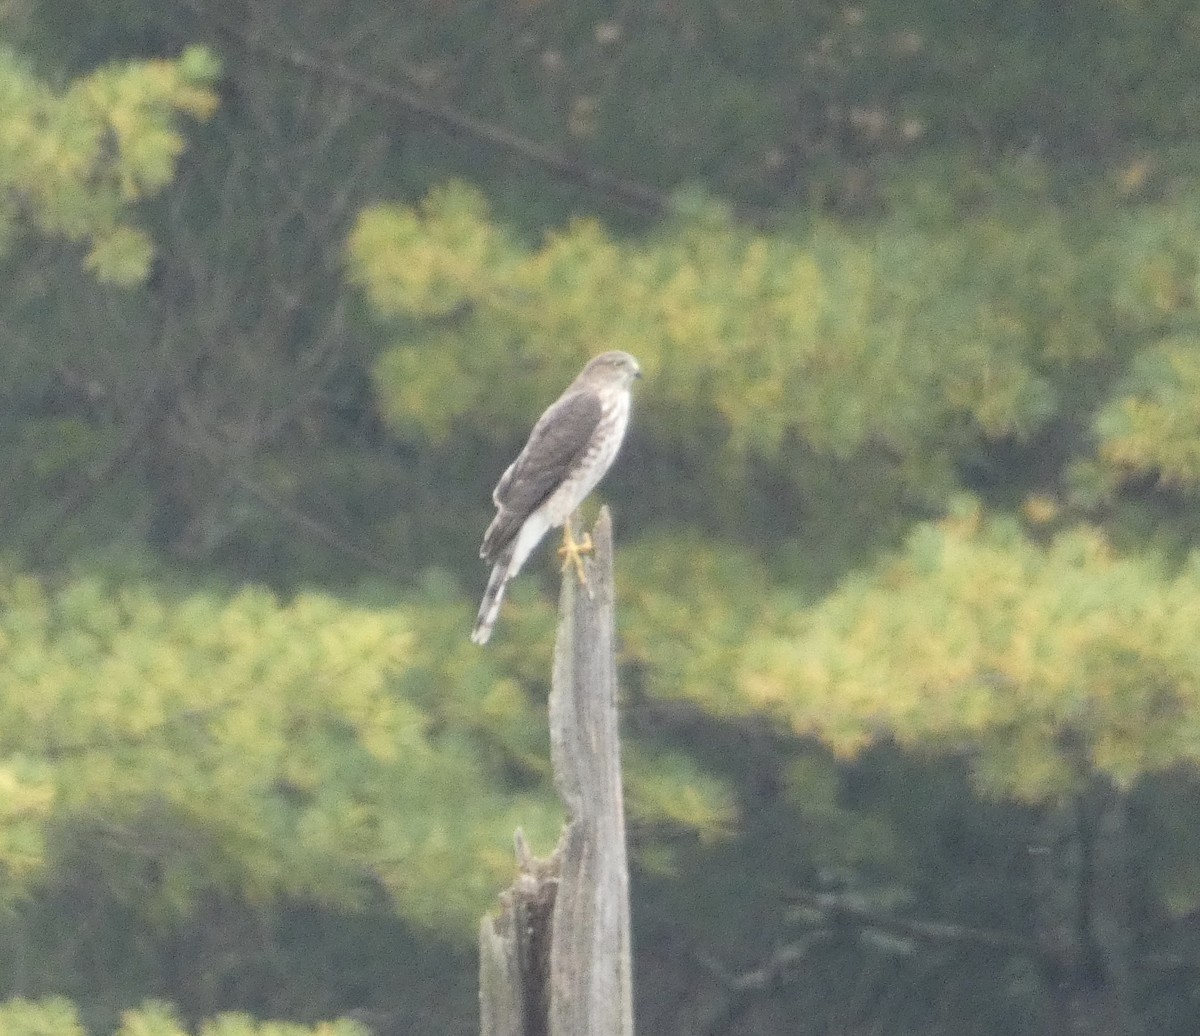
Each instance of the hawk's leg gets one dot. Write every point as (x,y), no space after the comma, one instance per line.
(573,550)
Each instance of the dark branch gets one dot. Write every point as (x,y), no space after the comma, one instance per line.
(741,991)
(837,908)
(639,197)
(71,503)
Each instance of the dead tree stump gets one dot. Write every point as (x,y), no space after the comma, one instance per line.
(557,960)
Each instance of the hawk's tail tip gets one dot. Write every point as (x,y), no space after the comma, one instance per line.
(489,609)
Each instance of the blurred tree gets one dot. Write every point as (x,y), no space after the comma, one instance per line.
(73,163)
(871,258)
(58,1018)
(170,750)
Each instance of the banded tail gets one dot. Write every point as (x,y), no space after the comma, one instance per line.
(489,610)
(508,564)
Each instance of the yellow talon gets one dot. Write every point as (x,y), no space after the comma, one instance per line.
(573,550)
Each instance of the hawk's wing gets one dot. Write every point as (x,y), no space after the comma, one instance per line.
(556,442)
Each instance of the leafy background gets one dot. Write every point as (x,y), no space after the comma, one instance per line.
(906,518)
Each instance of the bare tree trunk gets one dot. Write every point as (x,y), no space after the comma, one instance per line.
(1083,885)
(557,961)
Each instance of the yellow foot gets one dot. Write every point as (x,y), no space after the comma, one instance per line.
(573,550)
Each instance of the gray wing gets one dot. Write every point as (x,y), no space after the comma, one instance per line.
(557,441)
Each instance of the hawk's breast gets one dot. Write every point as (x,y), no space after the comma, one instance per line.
(594,462)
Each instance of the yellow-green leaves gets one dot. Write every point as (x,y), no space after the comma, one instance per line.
(136,105)
(73,162)
(121,257)
(426,262)
(1152,426)
(277,734)
(687,607)
(902,338)
(26,801)
(54,1016)
(58,1017)
(1040,664)
(669,789)
(262,749)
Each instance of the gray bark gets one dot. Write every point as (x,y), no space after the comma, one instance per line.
(557,960)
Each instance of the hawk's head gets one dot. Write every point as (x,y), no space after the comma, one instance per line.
(612,367)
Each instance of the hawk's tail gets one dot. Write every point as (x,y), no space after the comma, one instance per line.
(492,596)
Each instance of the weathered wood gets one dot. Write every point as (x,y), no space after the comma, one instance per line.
(576,904)
(501,993)
(591,986)
(514,951)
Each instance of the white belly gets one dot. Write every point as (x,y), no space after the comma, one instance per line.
(597,459)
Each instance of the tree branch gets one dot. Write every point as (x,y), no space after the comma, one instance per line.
(838,908)
(742,990)
(639,197)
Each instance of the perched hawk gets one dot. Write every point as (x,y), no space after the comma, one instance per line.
(570,448)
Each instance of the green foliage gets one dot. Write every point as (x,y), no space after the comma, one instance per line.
(56,1017)
(969,263)
(668,790)
(768,101)
(804,384)
(72,162)
(278,734)
(309,749)
(916,338)
(1043,665)
(1152,426)
(689,653)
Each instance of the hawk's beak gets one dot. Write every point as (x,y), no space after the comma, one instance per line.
(638,374)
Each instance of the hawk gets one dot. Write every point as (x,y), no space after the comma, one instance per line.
(569,450)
